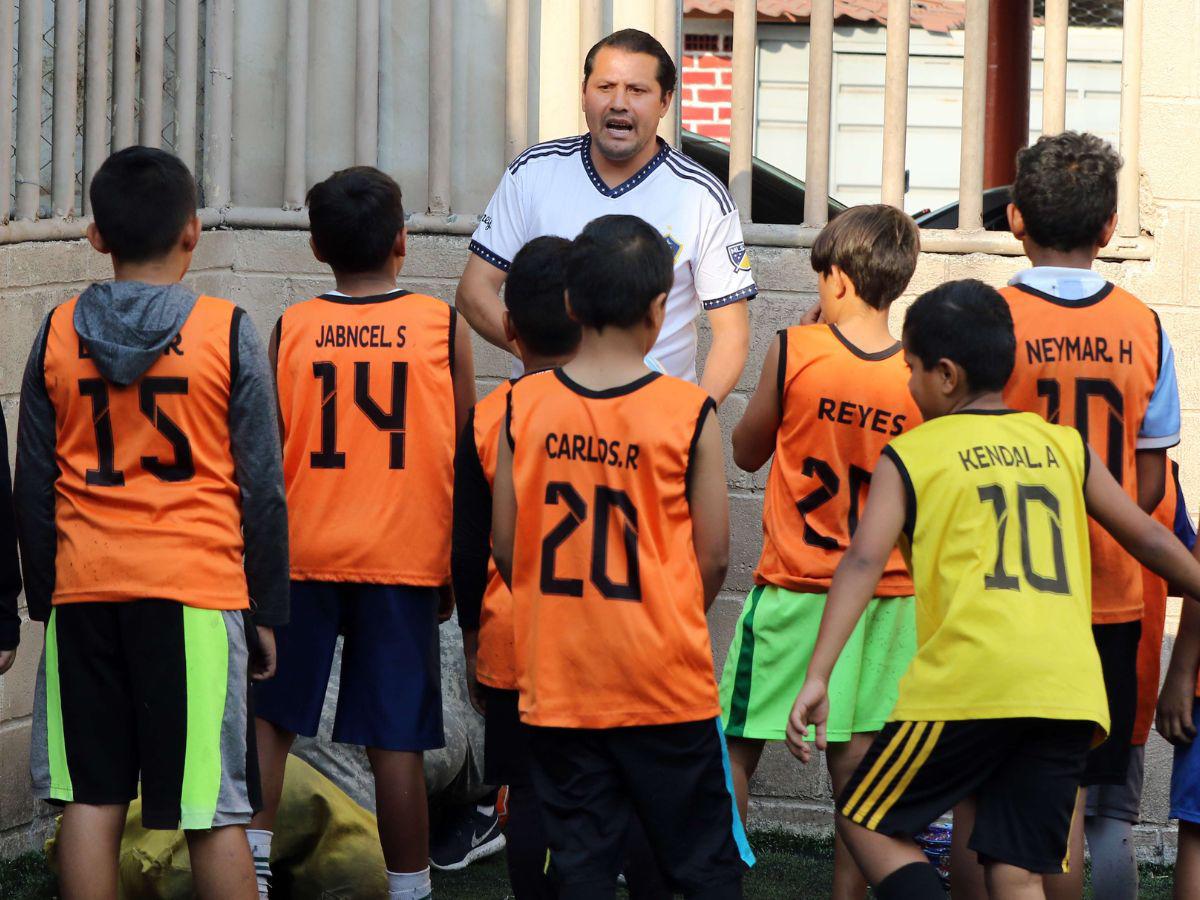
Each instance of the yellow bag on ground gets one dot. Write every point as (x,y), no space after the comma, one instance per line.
(326,846)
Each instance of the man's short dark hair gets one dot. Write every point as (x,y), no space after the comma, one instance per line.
(1066,189)
(142,199)
(615,269)
(354,216)
(631,40)
(876,246)
(533,293)
(966,322)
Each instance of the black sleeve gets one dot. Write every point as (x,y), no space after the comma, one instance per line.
(471,541)
(33,490)
(910,494)
(10,567)
(258,462)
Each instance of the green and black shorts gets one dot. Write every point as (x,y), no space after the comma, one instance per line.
(148,691)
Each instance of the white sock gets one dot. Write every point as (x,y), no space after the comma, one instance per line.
(409,885)
(260,849)
(488,810)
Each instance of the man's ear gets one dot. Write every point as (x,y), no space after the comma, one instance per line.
(666,103)
(400,248)
(510,333)
(1016,222)
(191,235)
(96,239)
(315,252)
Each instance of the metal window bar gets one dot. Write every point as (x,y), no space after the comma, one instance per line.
(1054,68)
(895,103)
(741,130)
(295,157)
(6,119)
(820,109)
(1128,186)
(666,29)
(153,37)
(124,63)
(187,60)
(441,92)
(366,80)
(516,79)
(591,28)
(217,172)
(970,175)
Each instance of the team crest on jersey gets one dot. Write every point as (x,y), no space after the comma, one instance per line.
(676,247)
(738,256)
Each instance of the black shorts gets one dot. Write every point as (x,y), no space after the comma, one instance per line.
(505,739)
(1118,649)
(674,778)
(1023,773)
(147,691)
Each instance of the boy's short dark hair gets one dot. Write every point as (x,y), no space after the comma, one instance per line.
(533,293)
(354,216)
(1066,189)
(969,323)
(142,199)
(876,246)
(615,269)
(631,40)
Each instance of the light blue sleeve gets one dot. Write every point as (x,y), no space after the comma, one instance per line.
(1161,426)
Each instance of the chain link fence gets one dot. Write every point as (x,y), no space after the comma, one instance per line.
(1091,13)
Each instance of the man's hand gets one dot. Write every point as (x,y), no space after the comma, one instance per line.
(7,658)
(470,657)
(445,603)
(811,708)
(1173,718)
(262,657)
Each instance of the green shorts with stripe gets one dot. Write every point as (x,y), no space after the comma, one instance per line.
(147,691)
(773,644)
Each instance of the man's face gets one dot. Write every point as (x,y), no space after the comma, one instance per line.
(623,103)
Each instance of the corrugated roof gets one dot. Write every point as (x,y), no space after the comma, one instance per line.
(932,15)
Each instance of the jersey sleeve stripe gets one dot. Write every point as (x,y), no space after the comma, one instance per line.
(1158,443)
(565,143)
(688,164)
(910,494)
(744,294)
(488,256)
(565,151)
(725,205)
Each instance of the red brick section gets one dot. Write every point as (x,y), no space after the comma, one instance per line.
(706,94)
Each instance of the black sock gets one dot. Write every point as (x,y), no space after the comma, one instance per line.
(525,837)
(916,881)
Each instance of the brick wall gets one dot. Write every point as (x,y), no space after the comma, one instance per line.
(707,94)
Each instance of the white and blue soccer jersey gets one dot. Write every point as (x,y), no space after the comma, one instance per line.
(1161,426)
(553,189)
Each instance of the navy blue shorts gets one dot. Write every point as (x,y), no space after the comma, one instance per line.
(391,683)
(1185,778)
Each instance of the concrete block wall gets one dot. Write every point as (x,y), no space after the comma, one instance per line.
(266,271)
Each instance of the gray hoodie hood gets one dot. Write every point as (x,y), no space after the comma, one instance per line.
(127,325)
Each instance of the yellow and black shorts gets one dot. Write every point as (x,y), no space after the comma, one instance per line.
(1023,773)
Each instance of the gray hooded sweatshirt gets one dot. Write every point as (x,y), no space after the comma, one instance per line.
(127,325)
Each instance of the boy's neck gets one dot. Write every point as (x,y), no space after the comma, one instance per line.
(1080,258)
(865,327)
(166,270)
(533,362)
(986,400)
(366,284)
(609,359)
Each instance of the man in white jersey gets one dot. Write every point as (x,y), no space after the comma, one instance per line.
(620,166)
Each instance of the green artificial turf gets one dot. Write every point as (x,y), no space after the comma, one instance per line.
(788,867)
